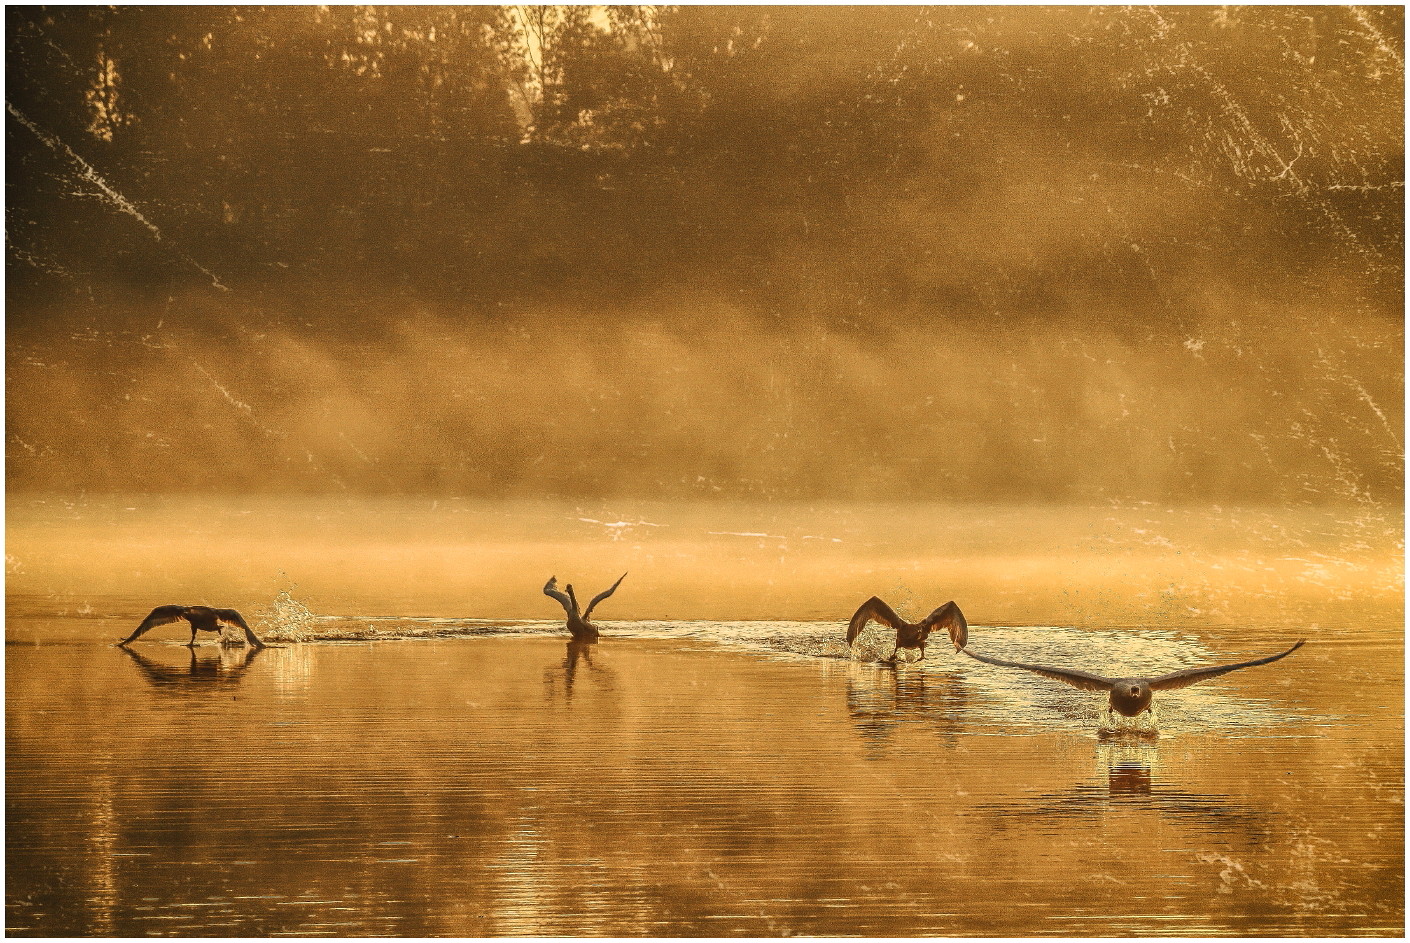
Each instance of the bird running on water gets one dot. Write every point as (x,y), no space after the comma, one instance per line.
(1131,696)
(578,624)
(910,634)
(202,619)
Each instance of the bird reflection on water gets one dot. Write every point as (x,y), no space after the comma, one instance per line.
(206,665)
(1130,782)
(579,651)
(881,699)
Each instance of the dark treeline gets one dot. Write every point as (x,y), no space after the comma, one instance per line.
(857,176)
(1027,159)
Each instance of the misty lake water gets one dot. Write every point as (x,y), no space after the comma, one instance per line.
(427,754)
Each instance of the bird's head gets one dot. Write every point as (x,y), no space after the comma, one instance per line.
(1130,696)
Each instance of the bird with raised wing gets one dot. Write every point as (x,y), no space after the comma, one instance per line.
(202,619)
(910,635)
(1130,696)
(579,624)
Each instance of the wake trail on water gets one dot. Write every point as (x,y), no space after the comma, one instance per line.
(1006,699)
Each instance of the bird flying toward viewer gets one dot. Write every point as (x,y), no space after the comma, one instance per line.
(1131,696)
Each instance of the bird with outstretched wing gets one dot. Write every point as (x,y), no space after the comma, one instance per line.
(578,622)
(1131,696)
(910,635)
(201,618)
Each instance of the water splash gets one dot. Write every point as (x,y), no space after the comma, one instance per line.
(287,620)
(876,643)
(1144,726)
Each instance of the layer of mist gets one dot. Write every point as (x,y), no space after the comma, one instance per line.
(1314,570)
(707,402)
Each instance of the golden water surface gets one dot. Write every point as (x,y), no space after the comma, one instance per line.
(474,773)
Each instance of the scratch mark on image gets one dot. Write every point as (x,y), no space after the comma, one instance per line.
(92,176)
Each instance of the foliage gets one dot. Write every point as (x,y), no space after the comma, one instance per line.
(529,148)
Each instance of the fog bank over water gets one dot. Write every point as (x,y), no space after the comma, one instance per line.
(1317,572)
(1243,405)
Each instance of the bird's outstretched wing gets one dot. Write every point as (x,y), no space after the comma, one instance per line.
(1181,679)
(158,616)
(551,589)
(950,618)
(873,608)
(603,595)
(235,619)
(1078,679)
(230,616)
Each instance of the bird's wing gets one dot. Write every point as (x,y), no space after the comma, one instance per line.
(1078,679)
(158,616)
(235,619)
(950,618)
(231,616)
(603,595)
(873,608)
(1181,679)
(551,589)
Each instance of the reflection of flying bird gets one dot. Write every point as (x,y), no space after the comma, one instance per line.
(202,619)
(1130,787)
(579,653)
(908,634)
(578,649)
(579,624)
(203,669)
(1131,696)
(881,702)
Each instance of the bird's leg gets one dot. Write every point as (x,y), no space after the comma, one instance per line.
(922,652)
(192,643)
